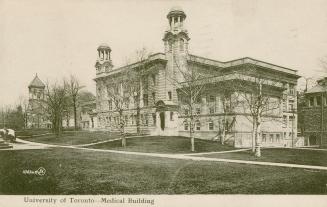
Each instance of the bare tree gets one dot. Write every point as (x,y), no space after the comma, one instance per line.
(56,101)
(73,88)
(140,56)
(258,101)
(189,83)
(119,95)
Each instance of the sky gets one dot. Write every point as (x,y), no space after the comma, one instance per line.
(58,38)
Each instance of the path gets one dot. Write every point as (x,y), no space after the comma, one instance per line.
(184,157)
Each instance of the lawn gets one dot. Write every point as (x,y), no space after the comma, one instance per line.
(73,171)
(294,156)
(74,138)
(161,144)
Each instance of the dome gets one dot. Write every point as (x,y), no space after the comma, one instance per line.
(176,11)
(104,46)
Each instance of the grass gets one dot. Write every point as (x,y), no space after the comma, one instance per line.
(294,156)
(74,138)
(161,144)
(30,132)
(72,171)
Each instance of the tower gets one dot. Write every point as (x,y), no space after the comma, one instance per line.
(176,50)
(176,37)
(103,63)
(36,104)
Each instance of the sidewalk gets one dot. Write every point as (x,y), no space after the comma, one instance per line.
(185,157)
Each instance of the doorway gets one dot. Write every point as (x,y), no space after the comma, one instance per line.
(162,120)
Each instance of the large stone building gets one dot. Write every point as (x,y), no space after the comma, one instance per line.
(157,105)
(315,114)
(37,116)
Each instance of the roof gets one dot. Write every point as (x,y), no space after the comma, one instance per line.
(316,89)
(176,10)
(36,82)
(104,46)
(241,61)
(206,61)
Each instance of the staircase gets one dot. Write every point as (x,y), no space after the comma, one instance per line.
(4,145)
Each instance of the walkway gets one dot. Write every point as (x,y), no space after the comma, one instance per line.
(183,156)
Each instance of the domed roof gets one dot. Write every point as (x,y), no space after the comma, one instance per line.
(104,46)
(36,82)
(176,10)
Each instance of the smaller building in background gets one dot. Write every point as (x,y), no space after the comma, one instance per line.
(315,114)
(37,116)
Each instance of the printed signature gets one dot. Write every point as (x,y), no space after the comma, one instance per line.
(41,171)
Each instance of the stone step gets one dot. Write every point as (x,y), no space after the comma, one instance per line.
(5,146)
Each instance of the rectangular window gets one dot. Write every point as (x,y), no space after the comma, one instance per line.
(186,126)
(290,105)
(154,119)
(171,116)
(154,97)
(169,95)
(110,105)
(211,110)
(186,111)
(211,125)
(291,121)
(145,100)
(146,120)
(154,79)
(126,120)
(264,138)
(211,98)
(284,121)
(198,125)
(311,101)
(271,138)
(318,100)
(198,111)
(278,138)
(198,99)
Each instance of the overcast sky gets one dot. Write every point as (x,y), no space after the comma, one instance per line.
(59,38)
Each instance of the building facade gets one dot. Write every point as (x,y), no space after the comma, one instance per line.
(315,114)
(149,95)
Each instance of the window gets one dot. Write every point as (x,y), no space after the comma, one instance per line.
(198,111)
(291,121)
(185,125)
(186,111)
(126,101)
(169,95)
(171,116)
(210,125)
(278,138)
(154,79)
(146,120)
(318,101)
(211,98)
(311,101)
(198,125)
(145,82)
(154,97)
(291,105)
(284,121)
(126,120)
(211,110)
(154,119)
(271,138)
(145,100)
(264,138)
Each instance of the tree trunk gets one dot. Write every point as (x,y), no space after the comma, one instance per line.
(257,138)
(75,114)
(192,134)
(223,136)
(138,128)
(253,135)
